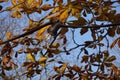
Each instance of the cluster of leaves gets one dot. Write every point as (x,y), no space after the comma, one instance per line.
(60,13)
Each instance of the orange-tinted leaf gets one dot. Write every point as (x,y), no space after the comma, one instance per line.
(75,12)
(113,43)
(60,2)
(39,33)
(40,2)
(64,16)
(20,1)
(16,14)
(8,35)
(64,66)
(46,7)
(14,2)
(76,68)
(29,2)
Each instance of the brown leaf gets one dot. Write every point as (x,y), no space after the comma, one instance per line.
(112,58)
(111,31)
(113,43)
(76,68)
(27,64)
(119,43)
(118,30)
(46,7)
(83,31)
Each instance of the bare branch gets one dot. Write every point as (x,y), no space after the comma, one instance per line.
(60,25)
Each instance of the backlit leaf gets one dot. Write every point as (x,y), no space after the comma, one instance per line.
(55,45)
(39,33)
(14,2)
(64,66)
(16,14)
(57,69)
(42,59)
(64,16)
(30,57)
(29,2)
(20,1)
(8,35)
(56,10)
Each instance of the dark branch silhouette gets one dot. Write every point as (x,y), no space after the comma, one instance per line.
(60,25)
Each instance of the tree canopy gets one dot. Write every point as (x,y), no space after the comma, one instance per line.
(58,29)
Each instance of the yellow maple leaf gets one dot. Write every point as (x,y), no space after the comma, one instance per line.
(64,15)
(30,57)
(13,2)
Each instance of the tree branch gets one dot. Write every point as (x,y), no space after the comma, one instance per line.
(60,25)
(28,32)
(93,26)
